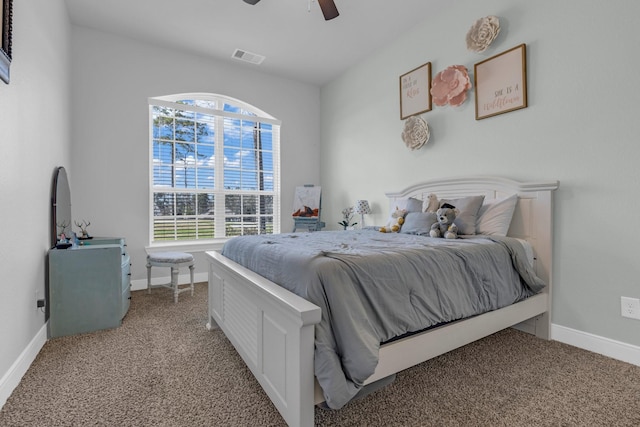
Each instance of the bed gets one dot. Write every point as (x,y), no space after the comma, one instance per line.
(273,329)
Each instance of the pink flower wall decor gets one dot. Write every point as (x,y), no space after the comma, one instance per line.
(450,86)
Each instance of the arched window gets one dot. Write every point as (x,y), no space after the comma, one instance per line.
(214,168)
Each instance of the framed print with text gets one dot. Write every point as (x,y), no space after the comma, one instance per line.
(6,15)
(501,83)
(415,94)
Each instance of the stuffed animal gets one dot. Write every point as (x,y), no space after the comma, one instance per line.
(396,223)
(445,226)
(433,204)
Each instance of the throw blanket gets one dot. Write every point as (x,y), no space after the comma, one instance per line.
(372,287)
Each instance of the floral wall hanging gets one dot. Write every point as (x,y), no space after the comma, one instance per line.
(450,86)
(415,133)
(482,33)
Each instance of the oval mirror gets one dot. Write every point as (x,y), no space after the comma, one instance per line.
(60,206)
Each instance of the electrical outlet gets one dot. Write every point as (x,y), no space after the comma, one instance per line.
(630,307)
(40,302)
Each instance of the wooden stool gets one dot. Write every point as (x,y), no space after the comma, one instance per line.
(173,260)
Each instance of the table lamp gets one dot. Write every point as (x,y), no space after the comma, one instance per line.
(362,207)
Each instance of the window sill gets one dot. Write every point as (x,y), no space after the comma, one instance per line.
(209,245)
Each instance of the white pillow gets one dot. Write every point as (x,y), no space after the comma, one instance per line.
(494,216)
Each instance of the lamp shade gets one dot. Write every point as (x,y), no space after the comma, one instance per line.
(362,207)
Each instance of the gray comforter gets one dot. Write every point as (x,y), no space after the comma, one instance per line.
(372,287)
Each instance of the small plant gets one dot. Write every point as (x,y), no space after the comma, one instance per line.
(347,214)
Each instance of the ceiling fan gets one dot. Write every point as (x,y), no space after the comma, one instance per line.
(328,7)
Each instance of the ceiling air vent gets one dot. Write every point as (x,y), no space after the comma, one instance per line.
(243,55)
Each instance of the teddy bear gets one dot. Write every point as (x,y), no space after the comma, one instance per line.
(396,223)
(445,226)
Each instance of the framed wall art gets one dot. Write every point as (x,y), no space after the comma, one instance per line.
(501,83)
(415,97)
(6,15)
(306,201)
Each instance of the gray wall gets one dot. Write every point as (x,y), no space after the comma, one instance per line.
(35,138)
(581,128)
(88,111)
(113,78)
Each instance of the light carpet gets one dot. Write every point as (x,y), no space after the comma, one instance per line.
(162,367)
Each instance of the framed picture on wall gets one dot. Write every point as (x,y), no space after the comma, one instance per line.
(415,97)
(6,15)
(501,83)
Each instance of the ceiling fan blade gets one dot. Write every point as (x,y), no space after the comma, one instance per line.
(329,9)
(251,1)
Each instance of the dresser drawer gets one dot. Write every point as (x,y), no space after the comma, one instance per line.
(126,272)
(126,284)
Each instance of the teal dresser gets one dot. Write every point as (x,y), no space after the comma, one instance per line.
(89,286)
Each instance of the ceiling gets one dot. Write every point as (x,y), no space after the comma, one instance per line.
(297,42)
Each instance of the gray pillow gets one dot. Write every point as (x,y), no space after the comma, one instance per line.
(468,207)
(409,204)
(418,222)
(413,205)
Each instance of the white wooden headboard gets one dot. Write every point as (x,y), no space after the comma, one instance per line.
(532,219)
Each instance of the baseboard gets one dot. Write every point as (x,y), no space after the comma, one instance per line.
(12,377)
(140,284)
(597,344)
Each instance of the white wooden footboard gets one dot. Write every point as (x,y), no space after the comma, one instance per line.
(272,330)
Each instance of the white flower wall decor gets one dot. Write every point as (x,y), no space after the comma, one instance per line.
(415,133)
(482,33)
